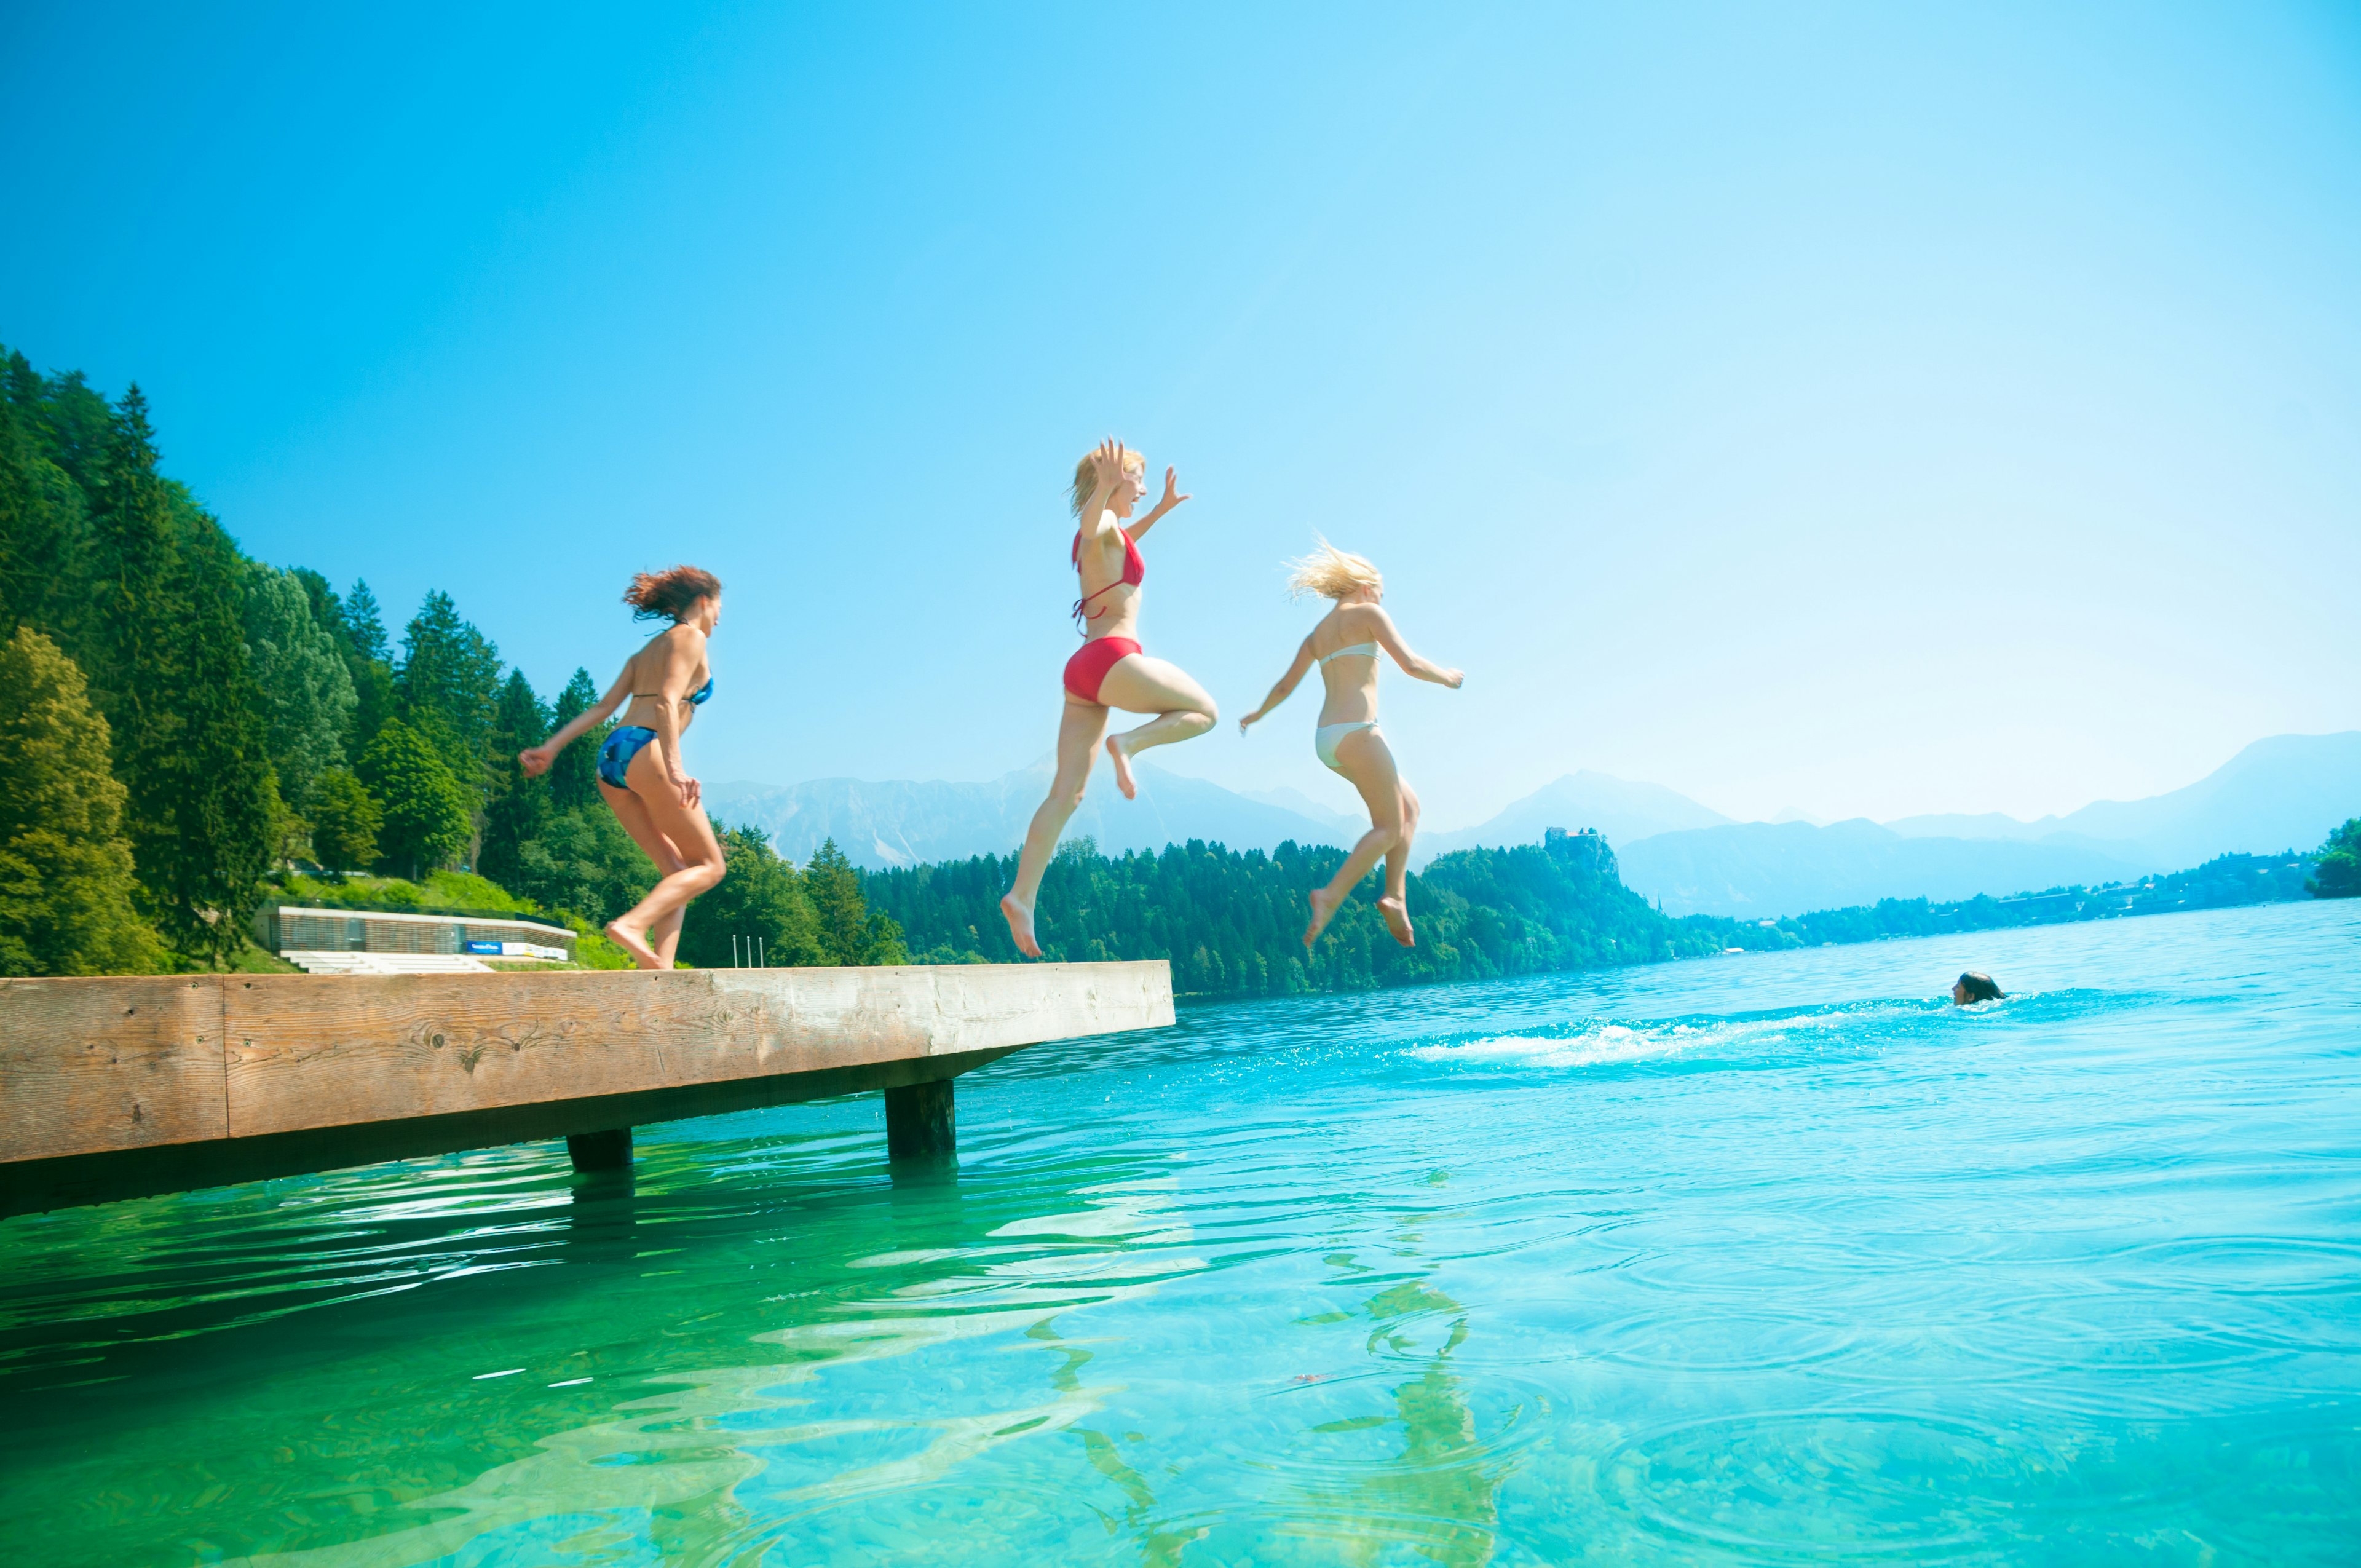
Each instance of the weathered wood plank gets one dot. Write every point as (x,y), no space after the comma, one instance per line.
(32,1186)
(308,1051)
(123,1063)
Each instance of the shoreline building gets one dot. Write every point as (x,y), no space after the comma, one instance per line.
(395,940)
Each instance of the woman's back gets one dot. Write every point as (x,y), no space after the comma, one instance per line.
(647,668)
(1346,643)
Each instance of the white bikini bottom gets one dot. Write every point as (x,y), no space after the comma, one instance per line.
(1324,739)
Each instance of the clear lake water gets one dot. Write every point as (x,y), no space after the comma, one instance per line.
(1775,1259)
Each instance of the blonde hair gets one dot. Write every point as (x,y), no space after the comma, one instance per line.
(1331,573)
(1086,477)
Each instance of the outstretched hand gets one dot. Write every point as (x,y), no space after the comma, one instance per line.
(1170,499)
(1454,679)
(1108,463)
(535,761)
(1250,717)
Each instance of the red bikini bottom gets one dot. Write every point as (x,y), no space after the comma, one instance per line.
(1090,662)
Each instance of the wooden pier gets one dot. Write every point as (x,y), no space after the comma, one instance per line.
(125,1086)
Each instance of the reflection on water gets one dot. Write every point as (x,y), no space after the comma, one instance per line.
(1765,1260)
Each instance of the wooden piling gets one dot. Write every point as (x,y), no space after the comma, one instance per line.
(609,1150)
(921,1121)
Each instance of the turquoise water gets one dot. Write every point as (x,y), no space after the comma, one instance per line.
(1765,1260)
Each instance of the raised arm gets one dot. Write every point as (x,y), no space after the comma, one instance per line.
(1389,639)
(535,760)
(1172,498)
(1286,686)
(1107,465)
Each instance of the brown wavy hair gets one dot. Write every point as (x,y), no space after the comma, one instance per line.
(669,593)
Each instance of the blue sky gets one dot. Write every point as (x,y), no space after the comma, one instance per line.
(1864,409)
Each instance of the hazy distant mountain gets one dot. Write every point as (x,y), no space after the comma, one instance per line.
(1302,805)
(1620,809)
(902,823)
(2283,793)
(2286,792)
(1764,869)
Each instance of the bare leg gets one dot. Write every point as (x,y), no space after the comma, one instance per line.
(665,936)
(1395,904)
(1079,729)
(1138,683)
(633,813)
(650,931)
(1364,760)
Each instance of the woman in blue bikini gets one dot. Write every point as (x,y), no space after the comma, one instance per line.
(1345,645)
(640,770)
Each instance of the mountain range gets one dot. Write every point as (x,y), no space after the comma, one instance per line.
(2278,794)
(907,824)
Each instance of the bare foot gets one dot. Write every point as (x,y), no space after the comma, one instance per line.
(1397,921)
(1123,779)
(630,942)
(1020,926)
(1324,909)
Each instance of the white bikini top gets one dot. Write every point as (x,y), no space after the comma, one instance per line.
(1358,650)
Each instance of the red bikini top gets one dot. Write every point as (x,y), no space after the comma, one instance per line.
(1134,571)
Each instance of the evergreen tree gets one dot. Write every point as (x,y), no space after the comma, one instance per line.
(186,717)
(368,662)
(344,822)
(66,883)
(519,806)
(449,687)
(1230,923)
(364,625)
(845,931)
(327,610)
(2338,873)
(424,811)
(574,777)
(518,815)
(45,565)
(582,862)
(306,684)
(760,896)
(75,424)
(519,719)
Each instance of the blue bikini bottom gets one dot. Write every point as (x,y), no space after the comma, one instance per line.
(615,757)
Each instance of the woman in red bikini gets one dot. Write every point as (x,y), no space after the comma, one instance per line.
(1109,670)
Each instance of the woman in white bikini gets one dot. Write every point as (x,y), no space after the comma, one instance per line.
(1344,645)
(1109,670)
(640,770)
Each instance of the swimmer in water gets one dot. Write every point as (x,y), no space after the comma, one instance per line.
(640,770)
(1973,987)
(1109,670)
(1345,646)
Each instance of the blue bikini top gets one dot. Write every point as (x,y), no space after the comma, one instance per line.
(697,696)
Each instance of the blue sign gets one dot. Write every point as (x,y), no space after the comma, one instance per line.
(493,949)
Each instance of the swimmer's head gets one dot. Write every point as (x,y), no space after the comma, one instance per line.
(675,594)
(1973,987)
(1127,494)
(1334,573)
